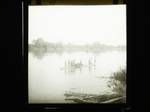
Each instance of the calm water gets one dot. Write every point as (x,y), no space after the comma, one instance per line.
(54,74)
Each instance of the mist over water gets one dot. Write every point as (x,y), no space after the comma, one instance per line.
(54,74)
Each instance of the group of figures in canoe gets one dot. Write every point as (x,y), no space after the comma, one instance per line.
(75,65)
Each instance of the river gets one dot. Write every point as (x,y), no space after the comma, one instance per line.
(52,75)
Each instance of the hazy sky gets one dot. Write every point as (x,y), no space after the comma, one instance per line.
(78,24)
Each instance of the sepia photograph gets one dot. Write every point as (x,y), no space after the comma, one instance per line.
(77,54)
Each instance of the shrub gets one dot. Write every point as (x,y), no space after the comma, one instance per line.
(118,82)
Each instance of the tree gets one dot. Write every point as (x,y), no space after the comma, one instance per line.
(38,42)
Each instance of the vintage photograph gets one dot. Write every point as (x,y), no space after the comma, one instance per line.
(77,54)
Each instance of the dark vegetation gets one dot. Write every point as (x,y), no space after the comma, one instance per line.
(118,85)
(118,82)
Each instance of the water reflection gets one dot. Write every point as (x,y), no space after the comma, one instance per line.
(79,72)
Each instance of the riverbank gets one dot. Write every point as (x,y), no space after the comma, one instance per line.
(92,98)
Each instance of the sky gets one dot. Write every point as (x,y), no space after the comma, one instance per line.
(78,24)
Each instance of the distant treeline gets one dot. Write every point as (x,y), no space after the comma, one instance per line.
(39,45)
